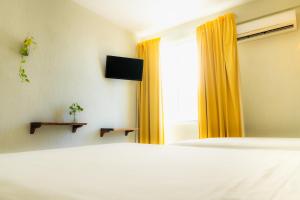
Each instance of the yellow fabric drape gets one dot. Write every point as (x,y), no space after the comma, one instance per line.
(219,92)
(150,113)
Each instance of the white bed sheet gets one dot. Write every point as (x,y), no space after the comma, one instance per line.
(151,172)
(261,143)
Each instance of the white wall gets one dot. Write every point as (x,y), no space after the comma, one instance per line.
(270,81)
(67,66)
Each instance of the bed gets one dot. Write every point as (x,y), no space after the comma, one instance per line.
(213,169)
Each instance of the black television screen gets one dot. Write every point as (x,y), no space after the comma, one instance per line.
(124,68)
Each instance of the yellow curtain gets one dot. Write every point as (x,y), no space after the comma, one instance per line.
(219,92)
(150,113)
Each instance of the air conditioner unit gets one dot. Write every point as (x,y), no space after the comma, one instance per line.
(267,26)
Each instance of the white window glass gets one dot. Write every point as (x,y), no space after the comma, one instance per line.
(180,80)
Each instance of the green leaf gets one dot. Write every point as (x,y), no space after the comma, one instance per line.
(74,108)
(23,76)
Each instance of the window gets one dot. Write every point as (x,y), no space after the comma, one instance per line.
(180,80)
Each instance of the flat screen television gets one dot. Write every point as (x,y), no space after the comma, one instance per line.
(124,68)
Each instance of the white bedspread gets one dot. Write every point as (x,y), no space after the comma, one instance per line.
(150,172)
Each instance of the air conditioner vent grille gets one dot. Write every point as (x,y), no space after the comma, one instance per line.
(266,32)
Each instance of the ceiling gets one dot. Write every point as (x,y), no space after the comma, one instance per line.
(146,17)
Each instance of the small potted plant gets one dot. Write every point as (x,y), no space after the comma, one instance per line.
(74,109)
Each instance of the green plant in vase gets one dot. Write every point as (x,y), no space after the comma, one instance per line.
(74,109)
(24,52)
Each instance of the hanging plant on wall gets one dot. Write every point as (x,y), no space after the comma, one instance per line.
(24,52)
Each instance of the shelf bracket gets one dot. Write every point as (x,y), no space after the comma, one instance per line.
(105,130)
(33,126)
(75,127)
(128,131)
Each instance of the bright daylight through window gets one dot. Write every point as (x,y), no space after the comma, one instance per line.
(180,80)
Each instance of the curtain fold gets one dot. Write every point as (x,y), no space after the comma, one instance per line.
(219,90)
(150,119)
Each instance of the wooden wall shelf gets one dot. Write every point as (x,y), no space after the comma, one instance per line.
(74,125)
(107,130)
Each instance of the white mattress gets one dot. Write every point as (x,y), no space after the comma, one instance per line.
(151,172)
